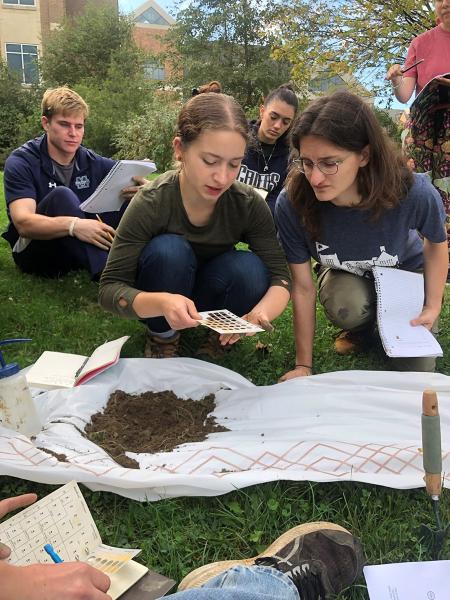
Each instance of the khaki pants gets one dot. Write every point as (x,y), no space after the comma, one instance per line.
(350,303)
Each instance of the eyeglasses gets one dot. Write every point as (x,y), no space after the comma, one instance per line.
(327,167)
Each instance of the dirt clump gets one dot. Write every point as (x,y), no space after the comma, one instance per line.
(150,422)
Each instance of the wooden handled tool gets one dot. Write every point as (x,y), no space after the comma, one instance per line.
(431,444)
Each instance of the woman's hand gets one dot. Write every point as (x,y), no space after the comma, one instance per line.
(427,317)
(180,312)
(393,71)
(130,191)
(258,318)
(300,371)
(8,505)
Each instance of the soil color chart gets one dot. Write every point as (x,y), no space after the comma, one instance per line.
(224,321)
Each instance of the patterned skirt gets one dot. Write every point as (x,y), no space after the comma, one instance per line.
(427,147)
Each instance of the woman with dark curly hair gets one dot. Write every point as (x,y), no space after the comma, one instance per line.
(351,203)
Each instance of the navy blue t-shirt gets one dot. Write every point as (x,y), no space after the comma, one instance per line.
(30,173)
(352,242)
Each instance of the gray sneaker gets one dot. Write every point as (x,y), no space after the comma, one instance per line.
(321,559)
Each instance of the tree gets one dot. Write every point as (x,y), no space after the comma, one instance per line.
(87,47)
(228,41)
(95,54)
(360,36)
(16,104)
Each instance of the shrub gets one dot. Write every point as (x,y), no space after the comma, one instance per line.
(150,134)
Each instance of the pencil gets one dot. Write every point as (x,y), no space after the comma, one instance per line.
(99,219)
(413,65)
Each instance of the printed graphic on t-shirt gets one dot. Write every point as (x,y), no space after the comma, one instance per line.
(357,267)
(263,181)
(82,182)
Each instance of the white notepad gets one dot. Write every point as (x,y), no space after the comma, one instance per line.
(409,581)
(107,196)
(64,370)
(63,520)
(400,298)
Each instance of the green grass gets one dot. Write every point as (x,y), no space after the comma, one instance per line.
(181,534)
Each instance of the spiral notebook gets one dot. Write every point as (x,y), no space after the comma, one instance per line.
(400,298)
(107,197)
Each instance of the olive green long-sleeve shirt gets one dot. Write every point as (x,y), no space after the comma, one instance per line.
(240,215)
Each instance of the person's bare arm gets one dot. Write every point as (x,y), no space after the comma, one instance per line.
(34,226)
(403,87)
(304,313)
(180,312)
(435,274)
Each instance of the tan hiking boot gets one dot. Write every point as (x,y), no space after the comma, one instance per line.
(352,342)
(157,347)
(321,559)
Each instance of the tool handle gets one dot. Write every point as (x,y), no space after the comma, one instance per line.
(431,443)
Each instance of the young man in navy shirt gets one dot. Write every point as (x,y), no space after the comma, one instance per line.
(45,181)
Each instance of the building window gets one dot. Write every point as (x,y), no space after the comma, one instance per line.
(23,59)
(20,2)
(151,17)
(155,72)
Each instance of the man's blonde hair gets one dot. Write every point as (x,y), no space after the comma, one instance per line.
(63,100)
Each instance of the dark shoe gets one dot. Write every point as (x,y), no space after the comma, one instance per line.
(321,559)
(157,347)
(352,342)
(212,348)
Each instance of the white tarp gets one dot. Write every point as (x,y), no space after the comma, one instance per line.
(343,426)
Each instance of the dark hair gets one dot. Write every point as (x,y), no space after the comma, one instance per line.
(210,111)
(346,121)
(284,92)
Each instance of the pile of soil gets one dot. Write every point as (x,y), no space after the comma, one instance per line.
(150,422)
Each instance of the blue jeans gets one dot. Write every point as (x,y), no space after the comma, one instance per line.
(244,583)
(235,280)
(51,258)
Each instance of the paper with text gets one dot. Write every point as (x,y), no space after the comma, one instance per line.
(400,298)
(107,197)
(63,520)
(409,581)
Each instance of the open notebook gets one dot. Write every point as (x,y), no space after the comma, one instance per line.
(107,197)
(400,298)
(64,370)
(63,520)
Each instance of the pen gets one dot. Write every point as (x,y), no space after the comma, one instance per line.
(99,219)
(413,65)
(53,555)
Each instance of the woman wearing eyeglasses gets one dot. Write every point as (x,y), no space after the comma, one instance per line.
(351,203)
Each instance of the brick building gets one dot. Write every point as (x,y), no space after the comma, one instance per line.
(151,25)
(24,24)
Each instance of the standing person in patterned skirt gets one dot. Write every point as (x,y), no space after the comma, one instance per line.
(428,142)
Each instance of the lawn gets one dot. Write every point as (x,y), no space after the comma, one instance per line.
(181,534)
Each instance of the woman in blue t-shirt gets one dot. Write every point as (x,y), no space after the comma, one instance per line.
(350,204)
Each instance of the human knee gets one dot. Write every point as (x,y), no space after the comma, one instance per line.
(61,201)
(167,249)
(349,301)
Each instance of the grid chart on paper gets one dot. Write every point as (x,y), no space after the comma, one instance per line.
(224,321)
(62,519)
